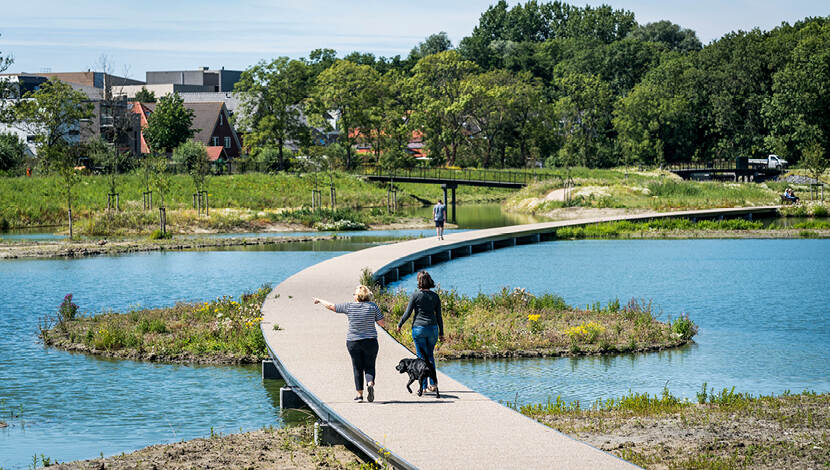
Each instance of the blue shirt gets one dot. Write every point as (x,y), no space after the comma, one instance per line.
(438,212)
(362,317)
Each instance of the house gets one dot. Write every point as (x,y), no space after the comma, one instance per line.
(210,121)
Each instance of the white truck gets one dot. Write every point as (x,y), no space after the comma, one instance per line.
(773,162)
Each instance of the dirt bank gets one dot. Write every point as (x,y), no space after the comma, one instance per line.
(264,449)
(768,433)
(72,249)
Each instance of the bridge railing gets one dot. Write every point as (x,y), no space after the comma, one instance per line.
(727,164)
(450,174)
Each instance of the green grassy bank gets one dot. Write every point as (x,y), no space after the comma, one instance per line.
(640,190)
(239,201)
(685,228)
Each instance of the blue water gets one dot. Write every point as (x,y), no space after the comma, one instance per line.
(75,406)
(763,308)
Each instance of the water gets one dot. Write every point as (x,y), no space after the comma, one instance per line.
(759,331)
(73,406)
(761,305)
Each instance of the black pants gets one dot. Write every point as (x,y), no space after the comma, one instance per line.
(363,353)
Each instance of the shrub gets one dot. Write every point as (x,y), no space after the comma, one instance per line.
(684,327)
(155,325)
(158,235)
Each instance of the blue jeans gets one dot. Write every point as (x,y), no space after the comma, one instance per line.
(425,338)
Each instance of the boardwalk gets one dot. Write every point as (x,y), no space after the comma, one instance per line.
(462,430)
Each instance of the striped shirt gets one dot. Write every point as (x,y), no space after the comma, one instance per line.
(362,317)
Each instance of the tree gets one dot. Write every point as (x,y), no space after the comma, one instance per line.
(798,112)
(671,35)
(438,84)
(12,151)
(433,44)
(160,181)
(104,155)
(271,104)
(348,90)
(193,156)
(504,109)
(6,89)
(816,160)
(145,96)
(52,114)
(658,121)
(169,124)
(584,116)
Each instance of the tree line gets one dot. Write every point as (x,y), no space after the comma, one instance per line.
(553,83)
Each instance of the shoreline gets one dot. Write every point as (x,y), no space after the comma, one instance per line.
(74,249)
(730,430)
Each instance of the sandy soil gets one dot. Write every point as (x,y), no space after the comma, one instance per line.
(783,432)
(775,433)
(264,449)
(67,249)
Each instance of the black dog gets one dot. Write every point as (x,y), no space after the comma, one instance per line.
(418,369)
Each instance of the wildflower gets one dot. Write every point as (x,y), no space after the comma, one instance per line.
(534,317)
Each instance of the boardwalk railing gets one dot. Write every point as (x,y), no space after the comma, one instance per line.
(460,176)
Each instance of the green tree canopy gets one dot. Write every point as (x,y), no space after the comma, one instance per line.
(12,151)
(438,85)
(433,44)
(168,126)
(271,110)
(193,156)
(671,35)
(349,91)
(52,113)
(145,96)
(798,112)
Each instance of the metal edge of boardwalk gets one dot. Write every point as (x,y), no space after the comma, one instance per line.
(348,431)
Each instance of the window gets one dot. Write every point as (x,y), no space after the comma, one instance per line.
(220,119)
(215,141)
(227,142)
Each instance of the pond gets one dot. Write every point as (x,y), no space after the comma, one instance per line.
(761,305)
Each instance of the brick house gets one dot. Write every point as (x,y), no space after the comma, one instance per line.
(210,120)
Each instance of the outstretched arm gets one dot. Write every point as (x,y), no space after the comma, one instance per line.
(325,303)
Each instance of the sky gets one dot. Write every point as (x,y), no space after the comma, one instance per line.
(137,36)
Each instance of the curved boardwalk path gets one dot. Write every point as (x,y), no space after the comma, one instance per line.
(463,429)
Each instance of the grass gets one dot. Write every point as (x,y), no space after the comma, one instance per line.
(515,322)
(721,430)
(654,190)
(224,330)
(236,201)
(622,229)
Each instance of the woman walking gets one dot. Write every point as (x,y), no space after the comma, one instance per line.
(427,324)
(362,338)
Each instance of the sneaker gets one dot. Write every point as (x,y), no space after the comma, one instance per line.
(358,398)
(371,396)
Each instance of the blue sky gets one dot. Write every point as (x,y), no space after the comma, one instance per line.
(137,36)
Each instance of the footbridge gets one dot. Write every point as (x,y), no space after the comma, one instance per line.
(463,429)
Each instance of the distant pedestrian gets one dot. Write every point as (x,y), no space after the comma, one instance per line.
(362,337)
(427,323)
(439,213)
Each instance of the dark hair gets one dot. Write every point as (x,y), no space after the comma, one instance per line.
(425,280)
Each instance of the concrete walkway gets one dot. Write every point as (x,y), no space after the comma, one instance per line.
(464,429)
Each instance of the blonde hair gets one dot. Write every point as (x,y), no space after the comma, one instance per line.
(363,293)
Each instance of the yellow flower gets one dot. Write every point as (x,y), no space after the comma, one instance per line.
(534,317)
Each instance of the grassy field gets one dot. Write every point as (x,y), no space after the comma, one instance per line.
(721,430)
(652,190)
(515,322)
(237,199)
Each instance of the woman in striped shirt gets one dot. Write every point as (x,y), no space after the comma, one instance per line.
(362,338)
